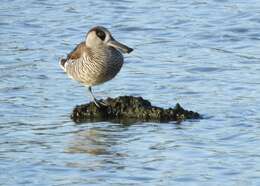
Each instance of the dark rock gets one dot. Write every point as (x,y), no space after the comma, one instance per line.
(129,109)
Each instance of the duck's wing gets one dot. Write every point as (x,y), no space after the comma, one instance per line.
(77,52)
(73,56)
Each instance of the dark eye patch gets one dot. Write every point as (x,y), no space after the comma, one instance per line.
(101,34)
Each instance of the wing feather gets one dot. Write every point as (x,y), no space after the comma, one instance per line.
(74,55)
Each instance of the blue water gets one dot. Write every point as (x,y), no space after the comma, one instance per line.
(203,54)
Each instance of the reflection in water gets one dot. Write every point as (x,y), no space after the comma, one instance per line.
(98,149)
(95,141)
(90,141)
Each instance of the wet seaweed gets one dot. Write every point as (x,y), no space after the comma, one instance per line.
(129,109)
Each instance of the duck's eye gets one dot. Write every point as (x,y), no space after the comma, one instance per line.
(101,34)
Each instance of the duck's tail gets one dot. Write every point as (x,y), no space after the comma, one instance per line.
(62,63)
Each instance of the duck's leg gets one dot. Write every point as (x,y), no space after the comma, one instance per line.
(97,103)
(93,97)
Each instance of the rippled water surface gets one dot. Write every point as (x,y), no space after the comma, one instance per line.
(203,54)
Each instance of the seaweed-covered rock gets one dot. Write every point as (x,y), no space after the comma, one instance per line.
(128,109)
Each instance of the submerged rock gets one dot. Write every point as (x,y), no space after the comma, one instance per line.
(129,109)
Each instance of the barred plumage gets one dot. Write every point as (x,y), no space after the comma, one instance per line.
(96,60)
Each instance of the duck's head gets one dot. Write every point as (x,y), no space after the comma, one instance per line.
(99,35)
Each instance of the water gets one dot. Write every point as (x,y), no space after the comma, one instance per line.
(202,54)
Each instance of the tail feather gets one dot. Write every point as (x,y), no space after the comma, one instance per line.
(62,63)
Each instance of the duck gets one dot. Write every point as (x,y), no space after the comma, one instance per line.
(96,60)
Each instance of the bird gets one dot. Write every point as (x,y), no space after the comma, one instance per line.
(96,60)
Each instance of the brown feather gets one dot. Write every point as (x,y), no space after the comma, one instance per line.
(77,52)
